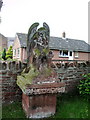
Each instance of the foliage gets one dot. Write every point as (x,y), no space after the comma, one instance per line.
(84,86)
(9,53)
(9,59)
(4,54)
(0,55)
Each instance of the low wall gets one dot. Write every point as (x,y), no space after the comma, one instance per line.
(8,76)
(69,73)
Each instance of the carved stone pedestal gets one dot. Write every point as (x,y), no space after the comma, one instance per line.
(39,101)
(39,106)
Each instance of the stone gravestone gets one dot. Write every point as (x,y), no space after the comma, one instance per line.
(38,81)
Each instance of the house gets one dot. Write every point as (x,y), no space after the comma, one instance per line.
(63,48)
(19,47)
(69,49)
(3,42)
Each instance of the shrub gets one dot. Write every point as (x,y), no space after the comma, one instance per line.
(84,86)
(0,55)
(4,54)
(9,53)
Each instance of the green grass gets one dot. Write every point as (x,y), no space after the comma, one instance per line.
(13,110)
(68,106)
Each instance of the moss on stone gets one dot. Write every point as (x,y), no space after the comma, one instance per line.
(27,78)
(46,72)
(46,51)
(37,52)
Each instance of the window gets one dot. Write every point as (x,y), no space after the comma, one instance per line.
(14,52)
(76,54)
(61,53)
(70,53)
(18,52)
(64,53)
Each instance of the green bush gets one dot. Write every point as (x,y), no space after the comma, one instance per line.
(84,86)
(9,53)
(4,54)
(0,55)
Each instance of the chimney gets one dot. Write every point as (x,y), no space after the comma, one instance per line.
(64,35)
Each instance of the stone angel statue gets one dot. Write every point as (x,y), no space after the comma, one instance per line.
(38,43)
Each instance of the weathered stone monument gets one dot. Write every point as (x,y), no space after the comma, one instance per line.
(38,81)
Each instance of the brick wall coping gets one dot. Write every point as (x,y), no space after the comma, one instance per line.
(48,88)
(46,85)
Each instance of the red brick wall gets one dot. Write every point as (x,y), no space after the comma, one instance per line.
(56,55)
(10,90)
(8,77)
(82,56)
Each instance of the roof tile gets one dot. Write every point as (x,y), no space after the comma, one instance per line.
(59,43)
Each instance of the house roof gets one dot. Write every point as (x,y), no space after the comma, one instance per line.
(68,44)
(23,39)
(60,43)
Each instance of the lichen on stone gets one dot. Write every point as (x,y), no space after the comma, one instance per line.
(37,52)
(27,78)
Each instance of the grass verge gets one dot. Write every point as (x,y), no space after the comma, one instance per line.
(68,106)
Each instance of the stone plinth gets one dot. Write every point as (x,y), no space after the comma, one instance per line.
(39,106)
(39,101)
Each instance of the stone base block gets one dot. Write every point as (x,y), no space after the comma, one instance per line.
(39,106)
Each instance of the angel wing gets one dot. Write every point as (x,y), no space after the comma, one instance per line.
(45,25)
(32,31)
(30,42)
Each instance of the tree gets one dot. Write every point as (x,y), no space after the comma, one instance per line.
(4,54)
(9,53)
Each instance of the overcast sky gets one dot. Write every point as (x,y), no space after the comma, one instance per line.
(70,16)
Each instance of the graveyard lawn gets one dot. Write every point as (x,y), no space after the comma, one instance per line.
(68,106)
